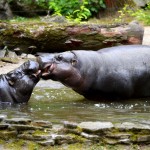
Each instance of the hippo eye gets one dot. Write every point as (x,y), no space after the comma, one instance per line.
(73,62)
(59,57)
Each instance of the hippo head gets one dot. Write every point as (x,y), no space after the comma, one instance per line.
(63,67)
(17,85)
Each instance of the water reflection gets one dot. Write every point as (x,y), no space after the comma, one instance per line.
(57,105)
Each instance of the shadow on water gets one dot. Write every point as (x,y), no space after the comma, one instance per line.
(57,105)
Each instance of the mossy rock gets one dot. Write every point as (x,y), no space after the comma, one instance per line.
(10,60)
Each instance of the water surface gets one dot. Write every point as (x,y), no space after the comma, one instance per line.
(56,103)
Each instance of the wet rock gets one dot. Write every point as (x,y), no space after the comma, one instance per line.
(25,136)
(72,131)
(70,125)
(22,121)
(95,127)
(42,137)
(124,141)
(132,126)
(119,135)
(25,127)
(90,137)
(8,134)
(2,117)
(4,126)
(110,141)
(42,123)
(61,139)
(47,142)
(143,138)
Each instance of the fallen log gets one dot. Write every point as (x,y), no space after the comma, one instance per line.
(52,37)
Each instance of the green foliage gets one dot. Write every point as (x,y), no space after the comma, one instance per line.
(76,9)
(140,14)
(143,15)
(71,9)
(95,5)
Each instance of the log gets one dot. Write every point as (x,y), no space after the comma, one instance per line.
(52,37)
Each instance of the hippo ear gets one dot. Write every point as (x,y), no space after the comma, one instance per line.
(11,78)
(73,62)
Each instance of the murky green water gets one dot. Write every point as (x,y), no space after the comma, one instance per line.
(61,104)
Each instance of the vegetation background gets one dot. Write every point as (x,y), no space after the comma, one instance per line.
(79,10)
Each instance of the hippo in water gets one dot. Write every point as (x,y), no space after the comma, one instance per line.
(16,86)
(115,72)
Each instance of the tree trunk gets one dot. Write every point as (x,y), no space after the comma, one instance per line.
(49,37)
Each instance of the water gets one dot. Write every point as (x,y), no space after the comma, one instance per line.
(57,103)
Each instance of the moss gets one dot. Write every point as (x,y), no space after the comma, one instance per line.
(79,129)
(77,138)
(22,144)
(10,60)
(39,132)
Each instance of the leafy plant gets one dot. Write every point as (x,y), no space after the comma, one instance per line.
(139,14)
(76,9)
(143,15)
(95,5)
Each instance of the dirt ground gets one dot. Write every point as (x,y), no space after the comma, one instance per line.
(7,67)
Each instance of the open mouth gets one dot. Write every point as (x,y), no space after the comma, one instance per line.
(48,69)
(37,74)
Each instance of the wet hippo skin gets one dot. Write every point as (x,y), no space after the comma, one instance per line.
(120,71)
(17,85)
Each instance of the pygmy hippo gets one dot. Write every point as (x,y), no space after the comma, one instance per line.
(17,85)
(119,71)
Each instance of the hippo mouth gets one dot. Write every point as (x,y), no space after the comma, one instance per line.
(48,69)
(37,74)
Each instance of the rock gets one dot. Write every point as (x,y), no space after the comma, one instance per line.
(95,127)
(141,3)
(4,126)
(10,60)
(61,139)
(22,121)
(132,126)
(2,117)
(119,135)
(135,32)
(2,53)
(5,11)
(54,18)
(143,138)
(51,37)
(20,127)
(41,123)
(47,143)
(23,55)
(8,134)
(42,137)
(124,141)
(70,125)
(25,136)
(11,54)
(90,136)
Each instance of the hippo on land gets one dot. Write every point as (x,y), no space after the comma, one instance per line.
(115,72)
(17,86)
